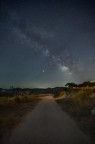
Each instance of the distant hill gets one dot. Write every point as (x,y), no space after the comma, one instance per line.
(30,90)
(47,90)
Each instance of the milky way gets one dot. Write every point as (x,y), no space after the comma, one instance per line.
(46,43)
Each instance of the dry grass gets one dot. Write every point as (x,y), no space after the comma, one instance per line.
(59,93)
(78,105)
(12,111)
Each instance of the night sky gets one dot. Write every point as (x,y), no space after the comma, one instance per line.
(46,43)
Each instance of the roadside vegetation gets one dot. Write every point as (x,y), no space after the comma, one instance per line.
(12,110)
(59,93)
(79,104)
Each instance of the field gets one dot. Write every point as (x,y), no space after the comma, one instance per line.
(78,105)
(12,111)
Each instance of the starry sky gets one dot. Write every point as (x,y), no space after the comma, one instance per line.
(46,43)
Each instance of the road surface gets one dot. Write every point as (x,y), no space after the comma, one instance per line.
(48,124)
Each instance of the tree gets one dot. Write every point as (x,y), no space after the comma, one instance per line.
(71,85)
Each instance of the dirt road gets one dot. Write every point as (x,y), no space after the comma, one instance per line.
(48,124)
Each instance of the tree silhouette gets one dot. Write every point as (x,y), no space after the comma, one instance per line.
(71,85)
